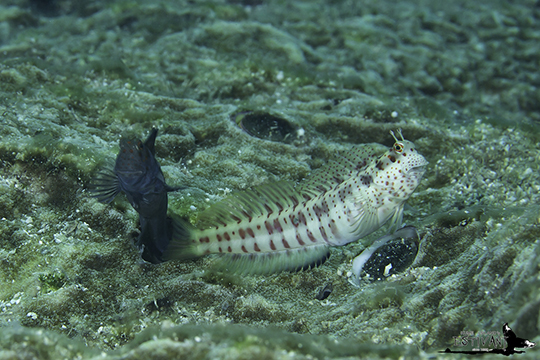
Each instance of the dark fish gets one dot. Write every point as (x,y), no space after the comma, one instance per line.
(138,175)
(324,292)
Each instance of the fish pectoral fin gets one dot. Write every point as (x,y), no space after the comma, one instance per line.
(264,263)
(174,188)
(104,186)
(396,220)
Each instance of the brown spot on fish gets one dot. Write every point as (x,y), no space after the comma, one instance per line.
(272,245)
(310,236)
(333,228)
(321,211)
(246,214)
(268,228)
(268,209)
(299,239)
(229,249)
(277,226)
(227,236)
(325,209)
(244,249)
(236,218)
(366,180)
(285,244)
(302,218)
(323,233)
(250,232)
(256,247)
(218,237)
(361,165)
(242,233)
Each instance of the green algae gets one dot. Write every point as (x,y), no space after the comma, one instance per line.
(52,281)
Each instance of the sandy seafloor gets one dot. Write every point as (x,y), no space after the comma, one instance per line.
(460,79)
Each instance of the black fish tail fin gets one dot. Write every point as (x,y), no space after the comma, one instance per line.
(154,237)
(150,142)
(181,246)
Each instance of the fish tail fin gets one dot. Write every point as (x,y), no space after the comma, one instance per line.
(181,246)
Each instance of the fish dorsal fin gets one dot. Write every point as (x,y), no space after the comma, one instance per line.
(342,167)
(151,140)
(245,205)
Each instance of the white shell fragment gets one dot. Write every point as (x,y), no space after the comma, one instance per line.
(360,261)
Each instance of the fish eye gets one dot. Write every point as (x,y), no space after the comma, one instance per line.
(398,147)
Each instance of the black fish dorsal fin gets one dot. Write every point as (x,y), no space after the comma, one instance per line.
(151,140)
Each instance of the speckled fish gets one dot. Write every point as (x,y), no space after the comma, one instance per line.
(138,174)
(281,227)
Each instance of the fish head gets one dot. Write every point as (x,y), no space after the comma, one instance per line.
(136,166)
(133,160)
(404,152)
(402,160)
(399,170)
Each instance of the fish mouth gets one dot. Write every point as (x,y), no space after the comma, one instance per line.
(418,165)
(417,171)
(421,164)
